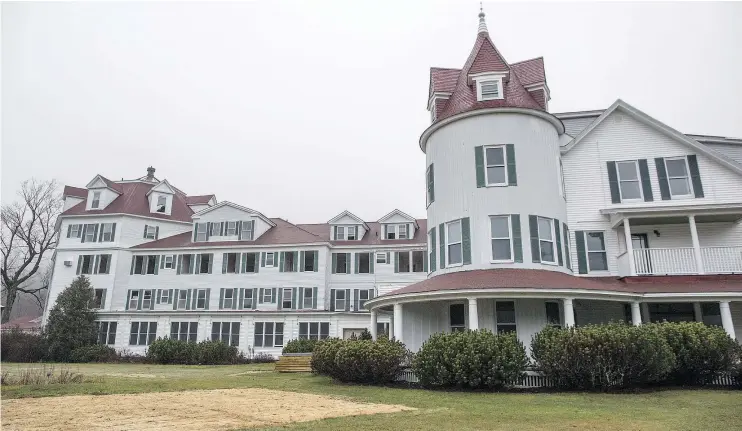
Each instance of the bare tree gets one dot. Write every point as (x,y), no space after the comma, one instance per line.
(28,231)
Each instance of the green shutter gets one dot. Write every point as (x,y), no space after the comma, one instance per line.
(613,182)
(221,298)
(316,261)
(159,295)
(175,300)
(396,261)
(302,258)
(296,261)
(695,175)
(567,251)
(517,241)
(659,163)
(432,251)
(260,295)
(479,165)
(280,265)
(139,302)
(442,232)
(179,264)
(371,261)
(273,295)
(79,264)
(211,261)
(332,299)
(581,253)
(241,299)
(257,262)
(128,297)
(347,299)
(280,299)
(425,262)
(512,175)
(188,299)
(646,183)
(208,298)
(254,299)
(535,247)
(357,258)
(262,259)
(224,263)
(431,184)
(356,295)
(293,297)
(314,297)
(243,263)
(157,264)
(334,262)
(557,233)
(466,240)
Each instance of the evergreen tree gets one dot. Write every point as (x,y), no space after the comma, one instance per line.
(71,322)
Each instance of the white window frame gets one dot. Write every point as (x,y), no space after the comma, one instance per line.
(449,244)
(95,203)
(188,332)
(182,296)
(110,332)
(552,241)
(504,166)
(513,323)
(202,232)
(272,256)
(151,232)
(95,305)
(273,335)
(562,186)
(90,233)
(147,259)
(133,299)
(284,298)
(429,190)
(337,291)
(231,226)
(228,296)
(638,181)
(246,227)
(400,229)
(509,238)
(687,178)
(457,328)
(314,335)
(148,299)
(198,298)
(588,251)
(169,261)
(381,257)
(267,296)
(76,230)
(248,295)
(351,232)
(216,229)
(305,304)
(108,231)
(230,333)
(88,268)
(161,207)
(164,296)
(481,96)
(361,300)
(340,233)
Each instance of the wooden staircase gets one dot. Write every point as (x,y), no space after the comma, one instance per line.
(294,364)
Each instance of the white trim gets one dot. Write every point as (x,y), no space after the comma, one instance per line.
(122,214)
(691,192)
(496,95)
(579,114)
(252,212)
(349,214)
(510,238)
(448,243)
(398,212)
(588,251)
(163,182)
(553,241)
(638,181)
(504,165)
(104,182)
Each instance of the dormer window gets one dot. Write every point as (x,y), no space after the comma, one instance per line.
(95,204)
(343,233)
(161,204)
(201,232)
(351,234)
(489,90)
(340,233)
(231,228)
(396,231)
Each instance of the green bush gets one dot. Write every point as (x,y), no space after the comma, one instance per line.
(300,346)
(170,351)
(263,358)
(323,356)
(216,353)
(365,335)
(603,356)
(94,353)
(367,361)
(19,346)
(701,352)
(470,359)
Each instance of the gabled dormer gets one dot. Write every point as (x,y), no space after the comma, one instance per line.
(346,226)
(160,198)
(397,225)
(101,192)
(200,203)
(228,221)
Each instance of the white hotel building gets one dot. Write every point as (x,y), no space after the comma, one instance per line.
(533,219)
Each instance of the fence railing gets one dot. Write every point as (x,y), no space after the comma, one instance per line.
(664,261)
(721,260)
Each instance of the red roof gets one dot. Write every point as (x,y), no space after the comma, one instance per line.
(543,279)
(198,200)
(133,200)
(530,71)
(75,191)
(26,323)
(373,236)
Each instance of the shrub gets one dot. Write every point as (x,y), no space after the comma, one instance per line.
(602,356)
(71,324)
(19,346)
(94,353)
(170,351)
(300,346)
(323,356)
(701,352)
(43,375)
(367,361)
(365,335)
(263,358)
(470,359)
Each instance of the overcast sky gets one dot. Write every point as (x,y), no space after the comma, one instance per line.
(304,109)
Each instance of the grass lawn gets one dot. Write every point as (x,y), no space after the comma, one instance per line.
(662,410)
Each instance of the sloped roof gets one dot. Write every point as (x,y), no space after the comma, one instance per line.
(372,237)
(199,200)
(443,80)
(77,192)
(530,71)
(110,184)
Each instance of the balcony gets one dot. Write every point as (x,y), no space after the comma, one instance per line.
(682,260)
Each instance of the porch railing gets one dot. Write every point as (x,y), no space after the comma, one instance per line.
(664,261)
(721,260)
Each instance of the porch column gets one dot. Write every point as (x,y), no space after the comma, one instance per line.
(726,318)
(636,314)
(629,246)
(473,315)
(645,312)
(697,312)
(696,244)
(374,319)
(398,322)
(569,313)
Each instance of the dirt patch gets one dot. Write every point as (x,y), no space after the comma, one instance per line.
(221,409)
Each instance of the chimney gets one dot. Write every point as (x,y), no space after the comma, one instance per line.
(150,173)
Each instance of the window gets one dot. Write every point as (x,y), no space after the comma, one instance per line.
(169,262)
(231,266)
(250,259)
(287,298)
(502,247)
(381,257)
(226,332)
(403,258)
(96,200)
(90,232)
(270,259)
(184,331)
(628,180)
(596,255)
(505,316)
(133,299)
(268,334)
(496,172)
(553,317)
(364,263)
(106,332)
(309,261)
(453,243)
(562,186)
(106,232)
(182,299)
(711,313)
(308,298)
(151,264)
(418,261)
(457,317)
(186,263)
(104,264)
(147,300)
(340,299)
(391,231)
(352,233)
(363,296)
(247,230)
(677,312)
(231,228)
(76,230)
(402,230)
(546,239)
(142,333)
(86,264)
(216,229)
(98,299)
(150,232)
(677,176)
(228,298)
(340,233)
(201,300)
(202,232)
(341,263)
(288,261)
(161,203)
(164,296)
(138,264)
(489,90)
(267,296)
(204,266)
(430,182)
(314,330)
(382,329)
(247,299)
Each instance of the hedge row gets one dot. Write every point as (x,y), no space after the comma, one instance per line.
(360,361)
(300,346)
(169,351)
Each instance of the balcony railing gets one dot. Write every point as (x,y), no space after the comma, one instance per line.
(682,260)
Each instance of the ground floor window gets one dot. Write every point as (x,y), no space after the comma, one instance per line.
(268,334)
(142,333)
(677,312)
(711,314)
(184,331)
(226,332)
(106,332)
(382,329)
(457,317)
(553,316)
(314,330)
(505,315)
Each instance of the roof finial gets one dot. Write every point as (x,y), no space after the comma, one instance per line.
(482,25)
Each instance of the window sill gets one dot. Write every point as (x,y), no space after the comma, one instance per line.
(484,99)
(550,263)
(502,261)
(497,185)
(681,197)
(454,265)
